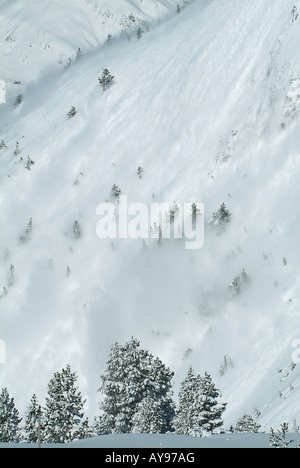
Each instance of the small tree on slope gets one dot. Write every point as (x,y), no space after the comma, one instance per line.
(106,79)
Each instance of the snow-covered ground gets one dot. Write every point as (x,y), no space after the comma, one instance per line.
(143,443)
(208,104)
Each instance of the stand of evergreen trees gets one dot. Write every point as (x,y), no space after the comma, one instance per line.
(137,398)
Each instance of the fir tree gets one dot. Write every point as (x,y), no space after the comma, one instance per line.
(17,150)
(211,411)
(187,421)
(11,276)
(239,283)
(25,237)
(279,440)
(9,419)
(64,408)
(295,14)
(84,431)
(29,162)
(77,230)
(19,100)
(139,33)
(101,426)
(149,417)
(2,145)
(140,172)
(220,219)
(227,364)
(133,374)
(72,112)
(106,79)
(33,418)
(79,54)
(108,39)
(116,192)
(247,424)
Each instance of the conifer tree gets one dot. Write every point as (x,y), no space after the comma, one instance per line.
(133,374)
(247,424)
(2,145)
(79,54)
(279,440)
(139,33)
(25,237)
(64,408)
(33,417)
(9,419)
(106,79)
(187,421)
(11,276)
(84,431)
(239,283)
(72,112)
(76,230)
(116,192)
(211,409)
(29,162)
(220,219)
(150,417)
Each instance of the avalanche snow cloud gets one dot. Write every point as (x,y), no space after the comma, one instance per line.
(207,103)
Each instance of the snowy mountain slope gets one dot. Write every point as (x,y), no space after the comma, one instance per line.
(53,30)
(208,104)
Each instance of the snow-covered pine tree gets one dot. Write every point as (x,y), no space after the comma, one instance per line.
(211,410)
(187,420)
(139,33)
(63,413)
(220,219)
(2,145)
(19,100)
(133,374)
(25,237)
(76,230)
(140,172)
(29,162)
(9,419)
(101,426)
(116,192)
(239,283)
(17,150)
(279,440)
(109,39)
(106,79)
(79,54)
(247,424)
(84,431)
(33,417)
(72,112)
(150,417)
(227,364)
(11,276)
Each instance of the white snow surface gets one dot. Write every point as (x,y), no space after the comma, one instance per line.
(208,103)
